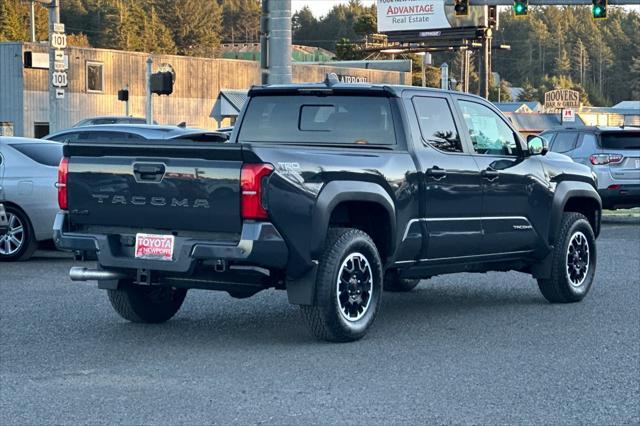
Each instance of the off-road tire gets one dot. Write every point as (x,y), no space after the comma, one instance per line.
(324,318)
(394,283)
(29,243)
(146,304)
(558,288)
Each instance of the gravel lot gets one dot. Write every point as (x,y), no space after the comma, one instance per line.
(483,348)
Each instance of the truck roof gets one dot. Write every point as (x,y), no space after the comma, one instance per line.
(362,89)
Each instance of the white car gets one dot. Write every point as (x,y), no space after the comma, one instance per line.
(28,174)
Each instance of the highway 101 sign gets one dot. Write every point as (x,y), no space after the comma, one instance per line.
(58,40)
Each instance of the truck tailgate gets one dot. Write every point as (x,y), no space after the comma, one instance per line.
(155,185)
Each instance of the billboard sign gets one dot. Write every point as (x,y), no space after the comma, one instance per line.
(416,15)
(561,99)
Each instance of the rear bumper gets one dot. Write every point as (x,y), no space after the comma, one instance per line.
(620,197)
(260,245)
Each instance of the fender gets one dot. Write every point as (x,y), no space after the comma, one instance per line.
(336,192)
(566,190)
(301,289)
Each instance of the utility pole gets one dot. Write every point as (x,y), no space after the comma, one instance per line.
(54,103)
(444,76)
(264,43)
(149,107)
(467,70)
(485,64)
(33,21)
(275,42)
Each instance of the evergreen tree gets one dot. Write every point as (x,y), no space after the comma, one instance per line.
(634,83)
(195,25)
(563,64)
(11,22)
(529,93)
(305,27)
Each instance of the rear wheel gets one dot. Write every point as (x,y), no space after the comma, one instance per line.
(393,282)
(348,287)
(573,261)
(19,242)
(146,304)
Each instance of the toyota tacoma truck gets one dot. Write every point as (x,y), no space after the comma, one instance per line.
(332,192)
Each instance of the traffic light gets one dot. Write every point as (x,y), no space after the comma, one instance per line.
(461,7)
(162,83)
(521,7)
(599,9)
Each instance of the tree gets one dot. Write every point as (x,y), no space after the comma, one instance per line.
(11,25)
(580,61)
(365,24)
(305,27)
(529,93)
(563,64)
(195,25)
(241,20)
(78,40)
(634,83)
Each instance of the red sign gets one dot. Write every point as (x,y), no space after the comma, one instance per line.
(156,247)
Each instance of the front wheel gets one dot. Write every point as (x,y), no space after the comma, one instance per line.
(573,261)
(146,304)
(348,287)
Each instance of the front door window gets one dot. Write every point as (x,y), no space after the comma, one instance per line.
(489,134)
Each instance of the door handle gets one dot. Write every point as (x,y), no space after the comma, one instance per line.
(149,172)
(436,173)
(490,174)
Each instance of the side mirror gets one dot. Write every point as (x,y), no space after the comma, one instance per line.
(538,145)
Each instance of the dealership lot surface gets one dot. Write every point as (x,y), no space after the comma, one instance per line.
(464,348)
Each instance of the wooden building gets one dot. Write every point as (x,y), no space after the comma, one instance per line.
(96,75)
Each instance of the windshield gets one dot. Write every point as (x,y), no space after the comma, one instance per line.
(620,140)
(319,119)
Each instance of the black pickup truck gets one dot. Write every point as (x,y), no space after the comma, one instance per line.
(332,192)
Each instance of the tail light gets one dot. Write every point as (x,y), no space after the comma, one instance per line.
(599,159)
(63,171)
(251,185)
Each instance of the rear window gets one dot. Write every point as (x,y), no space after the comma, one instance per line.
(48,154)
(620,140)
(319,119)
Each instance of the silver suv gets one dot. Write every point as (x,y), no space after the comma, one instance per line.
(613,153)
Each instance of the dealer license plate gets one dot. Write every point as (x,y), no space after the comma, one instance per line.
(155,247)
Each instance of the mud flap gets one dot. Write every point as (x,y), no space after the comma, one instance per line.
(542,269)
(301,291)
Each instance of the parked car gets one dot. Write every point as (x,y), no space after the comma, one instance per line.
(111,120)
(4,224)
(135,132)
(333,192)
(28,175)
(613,153)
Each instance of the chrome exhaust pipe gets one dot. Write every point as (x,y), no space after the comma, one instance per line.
(78,273)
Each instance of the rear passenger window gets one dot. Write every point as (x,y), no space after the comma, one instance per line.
(564,142)
(437,126)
